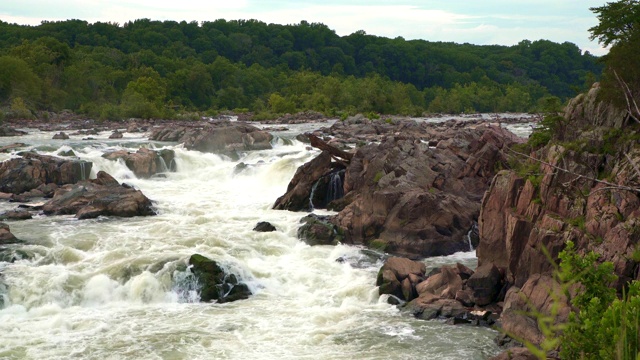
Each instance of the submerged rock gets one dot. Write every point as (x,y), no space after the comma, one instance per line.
(317,230)
(60,136)
(264,226)
(214,283)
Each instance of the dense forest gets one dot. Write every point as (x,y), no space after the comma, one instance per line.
(156,69)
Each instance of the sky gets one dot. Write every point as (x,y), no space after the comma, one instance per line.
(487,22)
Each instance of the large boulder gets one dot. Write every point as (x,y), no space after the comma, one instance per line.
(215,284)
(485,283)
(31,170)
(298,195)
(399,277)
(102,196)
(145,163)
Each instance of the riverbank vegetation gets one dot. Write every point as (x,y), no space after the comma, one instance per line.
(153,69)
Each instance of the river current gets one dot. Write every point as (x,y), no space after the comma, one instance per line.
(110,288)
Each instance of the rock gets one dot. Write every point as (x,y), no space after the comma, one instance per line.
(116,135)
(485,283)
(389,195)
(216,284)
(317,230)
(19,175)
(399,277)
(222,137)
(540,294)
(264,226)
(444,285)
(465,297)
(297,197)
(60,136)
(11,147)
(67,153)
(103,196)
(6,237)
(16,215)
(145,163)
(7,131)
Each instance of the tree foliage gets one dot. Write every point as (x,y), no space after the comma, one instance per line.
(99,68)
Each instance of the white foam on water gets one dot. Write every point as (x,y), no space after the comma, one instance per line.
(105,288)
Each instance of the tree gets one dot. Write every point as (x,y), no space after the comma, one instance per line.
(618,21)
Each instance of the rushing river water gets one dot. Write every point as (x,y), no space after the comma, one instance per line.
(109,288)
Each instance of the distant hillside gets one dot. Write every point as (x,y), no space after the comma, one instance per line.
(158,69)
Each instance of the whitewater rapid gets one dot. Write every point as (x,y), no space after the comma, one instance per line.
(111,288)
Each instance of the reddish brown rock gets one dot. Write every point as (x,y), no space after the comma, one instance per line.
(399,276)
(6,237)
(31,170)
(485,283)
(92,198)
(519,353)
(145,163)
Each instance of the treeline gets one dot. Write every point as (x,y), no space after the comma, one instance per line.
(161,69)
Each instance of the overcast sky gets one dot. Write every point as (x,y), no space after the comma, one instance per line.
(504,22)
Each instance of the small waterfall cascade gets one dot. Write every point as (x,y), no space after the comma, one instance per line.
(335,189)
(162,165)
(83,175)
(312,194)
(473,232)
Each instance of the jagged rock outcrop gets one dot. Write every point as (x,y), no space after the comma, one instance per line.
(102,196)
(222,137)
(214,283)
(145,163)
(31,170)
(585,190)
(403,195)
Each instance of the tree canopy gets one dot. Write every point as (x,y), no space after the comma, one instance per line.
(167,67)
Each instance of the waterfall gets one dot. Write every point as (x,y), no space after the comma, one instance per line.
(335,189)
(469,239)
(313,192)
(82,173)
(162,164)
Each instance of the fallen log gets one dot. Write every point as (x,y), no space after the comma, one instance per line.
(318,143)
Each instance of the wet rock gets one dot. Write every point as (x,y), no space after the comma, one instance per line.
(102,196)
(299,189)
(399,277)
(216,284)
(145,163)
(222,137)
(116,135)
(390,199)
(7,131)
(67,153)
(264,226)
(31,170)
(16,215)
(11,147)
(60,136)
(317,230)
(6,237)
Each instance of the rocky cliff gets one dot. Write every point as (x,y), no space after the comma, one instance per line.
(585,189)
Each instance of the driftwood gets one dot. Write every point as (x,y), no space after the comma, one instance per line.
(318,143)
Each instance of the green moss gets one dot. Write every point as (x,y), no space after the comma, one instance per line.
(378,244)
(578,222)
(378,176)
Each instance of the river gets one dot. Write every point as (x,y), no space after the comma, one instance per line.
(111,288)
